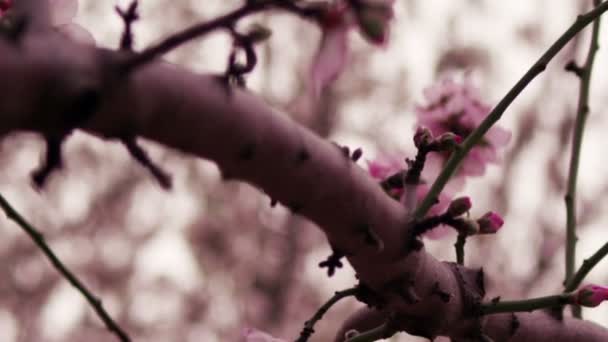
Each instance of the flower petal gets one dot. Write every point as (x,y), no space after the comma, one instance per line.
(331,58)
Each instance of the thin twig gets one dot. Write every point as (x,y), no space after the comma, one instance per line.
(224,22)
(525,305)
(586,267)
(459,246)
(577,140)
(38,239)
(310,324)
(375,334)
(475,137)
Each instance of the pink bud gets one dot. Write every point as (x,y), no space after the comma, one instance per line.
(490,223)
(591,295)
(447,141)
(422,137)
(459,206)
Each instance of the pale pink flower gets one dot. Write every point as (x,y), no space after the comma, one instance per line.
(490,223)
(254,335)
(591,295)
(332,56)
(458,108)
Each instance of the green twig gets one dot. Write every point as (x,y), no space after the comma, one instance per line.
(525,305)
(310,324)
(38,239)
(475,137)
(584,73)
(585,268)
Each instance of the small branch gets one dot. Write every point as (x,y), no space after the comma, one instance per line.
(224,22)
(38,239)
(459,245)
(577,141)
(475,137)
(310,324)
(585,268)
(381,332)
(525,305)
(128,16)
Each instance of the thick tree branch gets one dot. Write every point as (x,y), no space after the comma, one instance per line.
(251,142)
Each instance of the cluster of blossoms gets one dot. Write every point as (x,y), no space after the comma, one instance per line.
(457,108)
(451,112)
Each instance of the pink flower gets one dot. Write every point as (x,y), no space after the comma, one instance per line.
(591,295)
(490,223)
(372,17)
(458,108)
(254,335)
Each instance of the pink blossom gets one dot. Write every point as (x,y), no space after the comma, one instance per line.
(591,295)
(459,206)
(458,108)
(490,223)
(254,335)
(332,56)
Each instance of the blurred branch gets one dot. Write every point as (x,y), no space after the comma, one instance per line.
(226,21)
(310,324)
(38,238)
(475,137)
(584,74)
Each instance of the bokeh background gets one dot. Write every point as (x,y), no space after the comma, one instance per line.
(210,258)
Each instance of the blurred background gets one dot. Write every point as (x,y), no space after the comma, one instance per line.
(209,258)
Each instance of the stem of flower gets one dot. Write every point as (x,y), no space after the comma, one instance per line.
(577,140)
(526,304)
(459,245)
(585,268)
(475,137)
(310,324)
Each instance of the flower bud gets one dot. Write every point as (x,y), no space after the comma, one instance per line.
(459,206)
(447,141)
(373,20)
(490,223)
(591,295)
(422,137)
(466,226)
